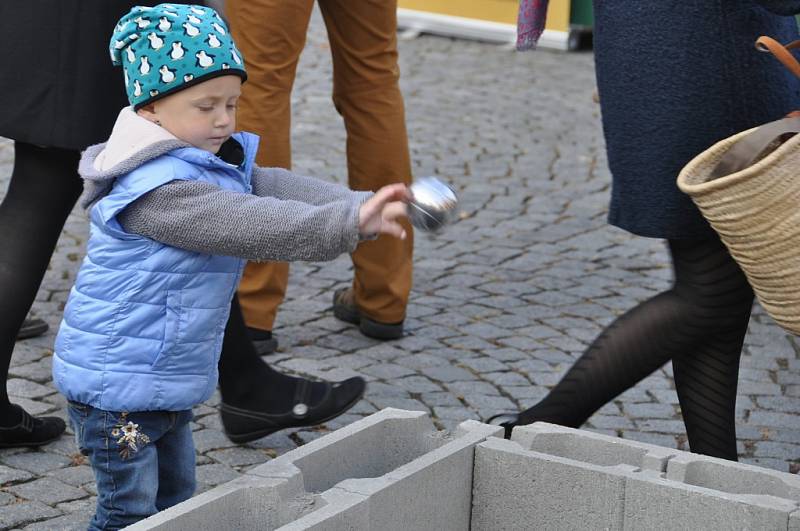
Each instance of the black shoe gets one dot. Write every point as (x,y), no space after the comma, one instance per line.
(508,421)
(263,340)
(244,425)
(32,327)
(344,308)
(31,431)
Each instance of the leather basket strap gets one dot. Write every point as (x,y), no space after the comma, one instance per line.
(781,52)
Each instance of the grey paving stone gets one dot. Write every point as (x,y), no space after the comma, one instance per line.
(472,388)
(453,413)
(610,422)
(47,490)
(650,410)
(447,373)
(205,440)
(468,343)
(417,384)
(419,360)
(27,389)
(784,451)
(10,475)
(380,389)
(75,521)
(215,474)
(483,364)
(489,402)
(19,514)
(39,371)
(238,456)
(6,498)
(777,420)
(662,426)
(74,475)
(387,371)
(502,379)
(36,462)
(441,399)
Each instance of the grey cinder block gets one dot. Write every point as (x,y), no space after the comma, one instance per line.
(248,502)
(658,503)
(519,489)
(590,447)
(662,488)
(391,470)
(431,491)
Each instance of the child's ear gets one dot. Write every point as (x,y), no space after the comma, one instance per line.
(148,112)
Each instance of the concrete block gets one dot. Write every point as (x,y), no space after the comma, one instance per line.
(703,492)
(652,502)
(248,502)
(589,447)
(731,477)
(554,477)
(432,491)
(794,521)
(391,471)
(515,488)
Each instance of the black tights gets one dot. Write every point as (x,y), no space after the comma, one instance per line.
(43,189)
(699,324)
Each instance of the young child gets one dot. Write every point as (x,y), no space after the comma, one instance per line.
(176,207)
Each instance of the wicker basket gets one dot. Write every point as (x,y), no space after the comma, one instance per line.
(756,212)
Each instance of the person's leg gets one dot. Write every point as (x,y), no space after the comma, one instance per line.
(124,459)
(706,378)
(366,92)
(176,461)
(43,189)
(258,400)
(699,323)
(271,34)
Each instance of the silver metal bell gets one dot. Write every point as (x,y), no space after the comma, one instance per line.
(433,204)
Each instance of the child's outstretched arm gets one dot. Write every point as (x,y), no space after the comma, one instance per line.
(284,184)
(204,218)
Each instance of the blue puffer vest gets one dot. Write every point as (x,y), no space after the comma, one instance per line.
(143,326)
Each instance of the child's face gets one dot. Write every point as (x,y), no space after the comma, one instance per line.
(203,115)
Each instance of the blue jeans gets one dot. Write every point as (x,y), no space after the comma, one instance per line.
(143,461)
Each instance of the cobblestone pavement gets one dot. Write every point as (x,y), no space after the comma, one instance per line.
(503,301)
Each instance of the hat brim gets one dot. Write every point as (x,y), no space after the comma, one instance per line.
(186,84)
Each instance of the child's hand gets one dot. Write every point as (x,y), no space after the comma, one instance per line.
(379,214)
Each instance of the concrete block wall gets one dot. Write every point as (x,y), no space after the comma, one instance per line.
(559,478)
(358,477)
(394,471)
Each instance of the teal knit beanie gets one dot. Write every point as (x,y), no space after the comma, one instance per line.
(170,47)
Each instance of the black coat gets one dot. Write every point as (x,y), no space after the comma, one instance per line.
(674,77)
(57,82)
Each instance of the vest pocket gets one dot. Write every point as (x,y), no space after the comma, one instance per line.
(172,318)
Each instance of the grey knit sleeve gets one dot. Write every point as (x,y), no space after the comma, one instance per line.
(283,184)
(204,218)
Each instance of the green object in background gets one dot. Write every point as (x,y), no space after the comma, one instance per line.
(580,13)
(581,22)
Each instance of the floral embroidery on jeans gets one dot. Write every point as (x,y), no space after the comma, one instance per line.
(130,439)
